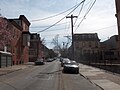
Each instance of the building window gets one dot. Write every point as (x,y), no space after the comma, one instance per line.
(26,39)
(83,44)
(13,33)
(90,44)
(89,36)
(96,44)
(33,36)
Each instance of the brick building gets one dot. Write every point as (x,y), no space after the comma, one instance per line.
(6,34)
(17,38)
(35,50)
(86,47)
(110,49)
(21,45)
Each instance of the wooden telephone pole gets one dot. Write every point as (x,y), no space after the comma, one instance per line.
(72,34)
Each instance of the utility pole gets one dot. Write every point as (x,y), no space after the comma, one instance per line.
(72,34)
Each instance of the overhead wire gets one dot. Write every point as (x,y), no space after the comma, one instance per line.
(48,25)
(62,18)
(58,29)
(90,31)
(104,28)
(79,13)
(90,7)
(56,14)
(66,27)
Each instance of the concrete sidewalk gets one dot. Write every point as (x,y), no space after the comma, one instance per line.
(6,70)
(102,78)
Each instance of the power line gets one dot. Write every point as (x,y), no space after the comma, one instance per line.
(90,7)
(61,18)
(90,31)
(58,29)
(48,25)
(62,34)
(104,28)
(79,13)
(56,14)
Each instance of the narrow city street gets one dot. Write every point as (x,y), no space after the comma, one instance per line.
(45,77)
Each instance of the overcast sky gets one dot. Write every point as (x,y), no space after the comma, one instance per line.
(101,18)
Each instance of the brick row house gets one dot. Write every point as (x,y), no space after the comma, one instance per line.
(38,50)
(86,47)
(35,50)
(18,36)
(23,45)
(110,49)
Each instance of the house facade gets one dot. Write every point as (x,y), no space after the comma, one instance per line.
(110,49)
(38,50)
(86,47)
(35,51)
(16,38)
(6,34)
(20,48)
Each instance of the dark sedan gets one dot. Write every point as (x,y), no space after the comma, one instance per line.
(71,68)
(39,62)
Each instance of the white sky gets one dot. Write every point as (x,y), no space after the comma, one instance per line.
(101,19)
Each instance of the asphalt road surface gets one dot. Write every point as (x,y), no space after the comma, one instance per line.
(45,77)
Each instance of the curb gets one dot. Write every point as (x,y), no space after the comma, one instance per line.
(10,70)
(5,73)
(90,81)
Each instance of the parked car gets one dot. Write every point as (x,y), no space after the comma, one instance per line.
(64,61)
(60,59)
(71,68)
(49,60)
(73,62)
(39,62)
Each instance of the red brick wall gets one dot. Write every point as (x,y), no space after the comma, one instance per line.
(26,54)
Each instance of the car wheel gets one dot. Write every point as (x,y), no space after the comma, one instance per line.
(77,71)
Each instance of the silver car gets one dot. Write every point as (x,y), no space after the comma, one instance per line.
(65,61)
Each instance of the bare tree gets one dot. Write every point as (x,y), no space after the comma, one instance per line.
(61,47)
(55,42)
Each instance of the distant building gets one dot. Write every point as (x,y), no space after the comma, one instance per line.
(110,49)
(86,47)
(35,50)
